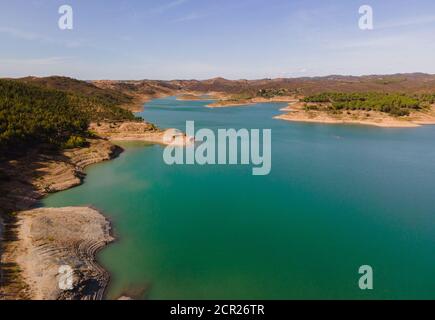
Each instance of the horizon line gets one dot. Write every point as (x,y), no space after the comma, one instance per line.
(228,79)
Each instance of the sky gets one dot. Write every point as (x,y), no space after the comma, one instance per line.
(202,39)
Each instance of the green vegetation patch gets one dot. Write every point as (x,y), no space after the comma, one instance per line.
(394,104)
(32,114)
(75,142)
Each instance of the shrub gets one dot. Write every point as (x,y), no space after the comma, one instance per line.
(311,107)
(75,142)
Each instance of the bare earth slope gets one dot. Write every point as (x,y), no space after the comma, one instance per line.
(40,172)
(30,178)
(51,238)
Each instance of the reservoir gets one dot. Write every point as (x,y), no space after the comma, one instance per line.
(337,197)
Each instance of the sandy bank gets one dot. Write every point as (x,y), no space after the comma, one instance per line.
(33,176)
(295,112)
(230,103)
(51,238)
(225,103)
(195,96)
(138,131)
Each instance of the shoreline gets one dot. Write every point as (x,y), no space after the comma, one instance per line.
(228,103)
(295,112)
(68,168)
(41,174)
(346,122)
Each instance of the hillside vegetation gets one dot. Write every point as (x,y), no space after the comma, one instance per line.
(393,104)
(34,113)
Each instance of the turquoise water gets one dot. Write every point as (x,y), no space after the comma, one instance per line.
(338,197)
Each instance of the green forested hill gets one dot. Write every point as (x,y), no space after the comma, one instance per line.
(32,113)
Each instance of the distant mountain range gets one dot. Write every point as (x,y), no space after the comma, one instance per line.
(407,83)
(122,91)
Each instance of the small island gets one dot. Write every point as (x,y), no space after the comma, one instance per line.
(261,96)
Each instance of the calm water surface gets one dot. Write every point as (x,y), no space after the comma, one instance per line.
(338,197)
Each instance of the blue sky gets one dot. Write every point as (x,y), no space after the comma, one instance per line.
(185,39)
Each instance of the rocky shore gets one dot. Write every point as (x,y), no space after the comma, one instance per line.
(43,171)
(54,238)
(33,243)
(128,131)
(33,176)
